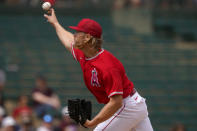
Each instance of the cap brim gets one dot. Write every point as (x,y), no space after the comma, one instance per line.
(76,28)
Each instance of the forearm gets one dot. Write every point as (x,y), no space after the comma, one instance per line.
(108,111)
(65,37)
(41,98)
(55,101)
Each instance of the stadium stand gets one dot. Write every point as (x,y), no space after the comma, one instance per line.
(179,23)
(164,74)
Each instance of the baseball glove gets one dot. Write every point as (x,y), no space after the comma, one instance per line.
(79,110)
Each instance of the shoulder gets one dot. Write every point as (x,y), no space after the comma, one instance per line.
(108,61)
(109,58)
(77,54)
(107,53)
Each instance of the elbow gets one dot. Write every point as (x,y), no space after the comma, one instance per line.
(117,101)
(118,104)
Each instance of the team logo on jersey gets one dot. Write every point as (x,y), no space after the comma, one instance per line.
(94,80)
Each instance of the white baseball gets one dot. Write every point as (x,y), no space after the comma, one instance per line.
(46,6)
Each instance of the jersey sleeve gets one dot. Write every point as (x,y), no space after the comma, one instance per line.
(113,83)
(77,54)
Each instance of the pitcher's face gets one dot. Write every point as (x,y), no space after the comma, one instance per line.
(79,38)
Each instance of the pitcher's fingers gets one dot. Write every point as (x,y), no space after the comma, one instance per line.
(46,16)
(52,11)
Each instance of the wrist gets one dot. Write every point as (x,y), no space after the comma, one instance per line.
(55,24)
(95,122)
(89,124)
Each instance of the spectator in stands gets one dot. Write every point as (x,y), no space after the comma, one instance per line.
(47,123)
(2,113)
(26,123)
(23,114)
(67,124)
(179,127)
(8,124)
(45,100)
(2,85)
(22,108)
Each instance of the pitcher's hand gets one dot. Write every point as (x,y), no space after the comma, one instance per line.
(89,124)
(52,19)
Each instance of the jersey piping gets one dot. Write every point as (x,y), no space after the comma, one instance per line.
(113,93)
(95,55)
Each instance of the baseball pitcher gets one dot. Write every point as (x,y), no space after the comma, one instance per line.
(105,77)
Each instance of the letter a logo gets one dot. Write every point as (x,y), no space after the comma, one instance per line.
(94,80)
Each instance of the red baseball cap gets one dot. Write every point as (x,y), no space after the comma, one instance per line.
(89,26)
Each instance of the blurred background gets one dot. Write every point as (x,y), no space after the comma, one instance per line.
(156,40)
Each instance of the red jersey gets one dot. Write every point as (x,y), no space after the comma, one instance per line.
(104,75)
(21,110)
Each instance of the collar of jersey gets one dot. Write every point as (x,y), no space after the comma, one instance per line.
(91,58)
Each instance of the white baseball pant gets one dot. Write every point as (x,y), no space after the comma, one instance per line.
(132,116)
